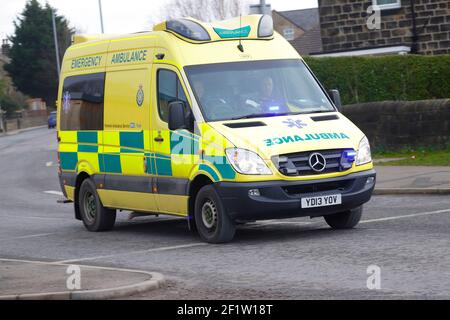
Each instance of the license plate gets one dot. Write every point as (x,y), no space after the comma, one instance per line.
(321,201)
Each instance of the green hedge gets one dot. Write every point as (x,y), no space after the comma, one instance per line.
(369,79)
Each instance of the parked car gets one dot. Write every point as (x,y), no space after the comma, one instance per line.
(52,120)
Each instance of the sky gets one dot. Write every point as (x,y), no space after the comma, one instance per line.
(119,16)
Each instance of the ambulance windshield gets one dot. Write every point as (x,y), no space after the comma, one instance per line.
(254,89)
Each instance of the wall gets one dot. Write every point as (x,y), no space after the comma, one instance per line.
(26,119)
(398,124)
(343,24)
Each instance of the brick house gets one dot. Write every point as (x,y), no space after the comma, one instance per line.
(407,26)
(301,28)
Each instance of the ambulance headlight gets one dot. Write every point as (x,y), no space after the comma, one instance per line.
(247,162)
(364,156)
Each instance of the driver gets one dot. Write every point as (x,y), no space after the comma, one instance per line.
(268,103)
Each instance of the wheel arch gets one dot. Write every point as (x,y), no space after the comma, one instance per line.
(80,178)
(194,187)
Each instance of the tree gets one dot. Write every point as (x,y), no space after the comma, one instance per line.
(8,104)
(204,10)
(10,99)
(33,67)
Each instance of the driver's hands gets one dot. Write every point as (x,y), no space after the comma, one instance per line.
(218,108)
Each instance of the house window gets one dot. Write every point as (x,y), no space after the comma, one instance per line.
(288,33)
(387,4)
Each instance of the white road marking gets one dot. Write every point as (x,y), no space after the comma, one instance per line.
(49,164)
(26,237)
(407,216)
(57,193)
(25,218)
(191,245)
(275,222)
(85,266)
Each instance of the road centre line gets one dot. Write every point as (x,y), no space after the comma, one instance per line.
(80,265)
(407,216)
(191,245)
(26,237)
(32,217)
(57,193)
(274,222)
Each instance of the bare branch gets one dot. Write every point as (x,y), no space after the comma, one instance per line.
(204,10)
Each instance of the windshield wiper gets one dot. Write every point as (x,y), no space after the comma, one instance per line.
(262,115)
(249,116)
(317,111)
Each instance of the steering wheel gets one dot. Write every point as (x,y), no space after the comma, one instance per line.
(217,108)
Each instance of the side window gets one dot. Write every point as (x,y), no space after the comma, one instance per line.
(169,90)
(82,102)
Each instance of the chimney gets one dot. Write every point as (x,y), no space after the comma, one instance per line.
(261,8)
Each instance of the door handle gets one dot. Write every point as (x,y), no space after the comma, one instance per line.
(159,139)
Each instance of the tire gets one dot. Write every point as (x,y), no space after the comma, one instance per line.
(344,220)
(95,217)
(212,222)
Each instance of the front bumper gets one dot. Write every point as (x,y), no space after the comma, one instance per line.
(282,199)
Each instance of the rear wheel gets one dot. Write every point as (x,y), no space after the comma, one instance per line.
(212,222)
(344,220)
(95,217)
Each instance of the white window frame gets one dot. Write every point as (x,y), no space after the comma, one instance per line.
(396,5)
(291,33)
(402,50)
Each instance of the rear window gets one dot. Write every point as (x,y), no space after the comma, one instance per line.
(83,102)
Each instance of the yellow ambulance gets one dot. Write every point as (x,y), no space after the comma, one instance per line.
(220,123)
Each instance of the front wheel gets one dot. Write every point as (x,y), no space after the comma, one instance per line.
(213,223)
(94,215)
(344,220)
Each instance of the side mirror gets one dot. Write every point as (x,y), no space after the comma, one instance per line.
(177,115)
(336,98)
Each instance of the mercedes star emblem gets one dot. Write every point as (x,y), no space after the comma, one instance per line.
(317,162)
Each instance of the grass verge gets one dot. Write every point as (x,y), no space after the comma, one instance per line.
(423,157)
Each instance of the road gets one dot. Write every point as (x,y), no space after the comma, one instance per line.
(406,236)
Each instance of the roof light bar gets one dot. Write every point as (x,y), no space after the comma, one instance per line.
(265,27)
(188,29)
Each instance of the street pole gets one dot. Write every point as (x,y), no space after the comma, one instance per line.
(262,3)
(1,121)
(101,15)
(55,36)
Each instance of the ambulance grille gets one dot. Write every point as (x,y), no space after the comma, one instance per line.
(297,164)
(338,186)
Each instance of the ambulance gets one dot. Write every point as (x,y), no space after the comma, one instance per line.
(219,123)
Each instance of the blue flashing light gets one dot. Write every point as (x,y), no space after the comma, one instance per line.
(347,159)
(349,155)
